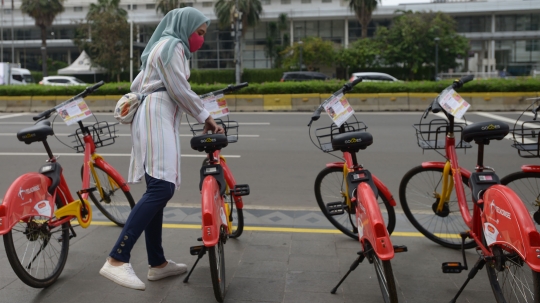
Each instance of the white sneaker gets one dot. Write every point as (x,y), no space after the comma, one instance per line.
(123,275)
(171,269)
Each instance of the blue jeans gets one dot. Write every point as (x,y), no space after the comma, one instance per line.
(147,216)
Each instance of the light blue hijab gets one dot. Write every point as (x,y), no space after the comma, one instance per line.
(177,26)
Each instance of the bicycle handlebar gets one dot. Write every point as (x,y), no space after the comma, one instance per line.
(535,111)
(346,88)
(46,114)
(435,107)
(226,90)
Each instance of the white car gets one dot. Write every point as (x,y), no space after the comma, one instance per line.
(61,81)
(373,77)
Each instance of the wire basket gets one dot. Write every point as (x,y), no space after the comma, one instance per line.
(102,132)
(432,135)
(230,127)
(526,139)
(325,134)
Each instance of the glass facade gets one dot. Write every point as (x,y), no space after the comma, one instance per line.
(524,22)
(473,24)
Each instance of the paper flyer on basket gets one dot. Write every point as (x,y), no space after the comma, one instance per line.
(74,111)
(339,109)
(216,106)
(453,103)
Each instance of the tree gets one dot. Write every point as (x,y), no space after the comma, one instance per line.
(165,6)
(105,36)
(316,52)
(410,41)
(43,12)
(250,9)
(363,53)
(273,47)
(363,10)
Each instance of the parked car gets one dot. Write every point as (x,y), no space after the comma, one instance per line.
(303,76)
(61,81)
(373,77)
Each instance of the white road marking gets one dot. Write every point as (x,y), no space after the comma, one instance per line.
(12,116)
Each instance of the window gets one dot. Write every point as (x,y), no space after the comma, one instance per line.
(207,4)
(326,1)
(532,45)
(151,6)
(78,9)
(266,2)
(134,7)
(306,1)
(7,11)
(285,1)
(17,77)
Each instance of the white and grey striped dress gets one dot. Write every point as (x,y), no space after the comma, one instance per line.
(155,128)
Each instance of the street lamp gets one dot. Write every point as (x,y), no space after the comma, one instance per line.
(300,43)
(436,57)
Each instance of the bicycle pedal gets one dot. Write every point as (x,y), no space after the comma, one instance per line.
(87,190)
(335,208)
(196,250)
(452,267)
(400,248)
(240,190)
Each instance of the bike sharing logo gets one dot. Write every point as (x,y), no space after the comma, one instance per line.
(43,208)
(490,233)
(499,210)
(491,127)
(353,140)
(27,191)
(208,140)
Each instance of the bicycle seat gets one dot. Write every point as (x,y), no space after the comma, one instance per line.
(209,142)
(38,132)
(484,131)
(352,142)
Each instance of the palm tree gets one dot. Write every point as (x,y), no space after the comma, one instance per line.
(273,32)
(165,6)
(106,6)
(363,10)
(44,13)
(250,9)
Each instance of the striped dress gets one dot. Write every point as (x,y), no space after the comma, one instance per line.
(155,127)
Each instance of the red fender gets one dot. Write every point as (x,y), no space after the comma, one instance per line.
(213,213)
(371,226)
(506,221)
(530,168)
(27,196)
(430,164)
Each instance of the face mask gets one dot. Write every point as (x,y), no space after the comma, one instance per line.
(195,42)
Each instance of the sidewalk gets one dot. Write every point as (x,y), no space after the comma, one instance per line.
(296,265)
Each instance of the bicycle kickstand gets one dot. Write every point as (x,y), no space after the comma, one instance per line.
(199,251)
(479,265)
(353,267)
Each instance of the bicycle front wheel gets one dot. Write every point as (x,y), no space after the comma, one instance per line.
(217,269)
(527,186)
(330,191)
(511,279)
(37,251)
(114,203)
(385,275)
(419,194)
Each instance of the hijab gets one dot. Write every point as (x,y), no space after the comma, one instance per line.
(177,26)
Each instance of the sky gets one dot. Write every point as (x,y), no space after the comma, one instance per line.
(396,2)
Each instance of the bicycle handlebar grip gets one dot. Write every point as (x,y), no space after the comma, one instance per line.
(466,79)
(95,86)
(435,106)
(241,85)
(41,115)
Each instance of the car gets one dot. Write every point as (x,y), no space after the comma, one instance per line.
(303,76)
(373,77)
(61,81)
(21,76)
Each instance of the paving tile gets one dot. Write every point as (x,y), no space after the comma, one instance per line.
(256,289)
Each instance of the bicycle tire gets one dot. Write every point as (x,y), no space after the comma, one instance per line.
(416,195)
(331,185)
(34,238)
(217,269)
(117,210)
(385,275)
(237,214)
(527,186)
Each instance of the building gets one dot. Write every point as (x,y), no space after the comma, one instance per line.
(504,34)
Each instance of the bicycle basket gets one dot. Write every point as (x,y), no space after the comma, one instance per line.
(526,139)
(432,135)
(230,127)
(102,132)
(325,134)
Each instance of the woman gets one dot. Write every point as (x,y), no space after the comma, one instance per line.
(156,144)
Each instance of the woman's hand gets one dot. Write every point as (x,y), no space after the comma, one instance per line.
(211,125)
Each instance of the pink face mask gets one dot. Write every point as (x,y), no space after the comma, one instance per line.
(195,42)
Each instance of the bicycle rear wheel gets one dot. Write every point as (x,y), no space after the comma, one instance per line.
(217,269)
(115,204)
(36,251)
(511,279)
(385,275)
(527,186)
(419,192)
(330,189)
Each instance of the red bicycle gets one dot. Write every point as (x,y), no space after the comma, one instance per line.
(498,225)
(220,219)
(348,191)
(37,210)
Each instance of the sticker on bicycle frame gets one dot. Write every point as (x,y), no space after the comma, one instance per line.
(216,106)
(339,109)
(222,215)
(490,232)
(43,208)
(453,103)
(360,227)
(74,111)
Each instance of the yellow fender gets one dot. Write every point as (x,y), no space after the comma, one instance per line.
(74,209)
